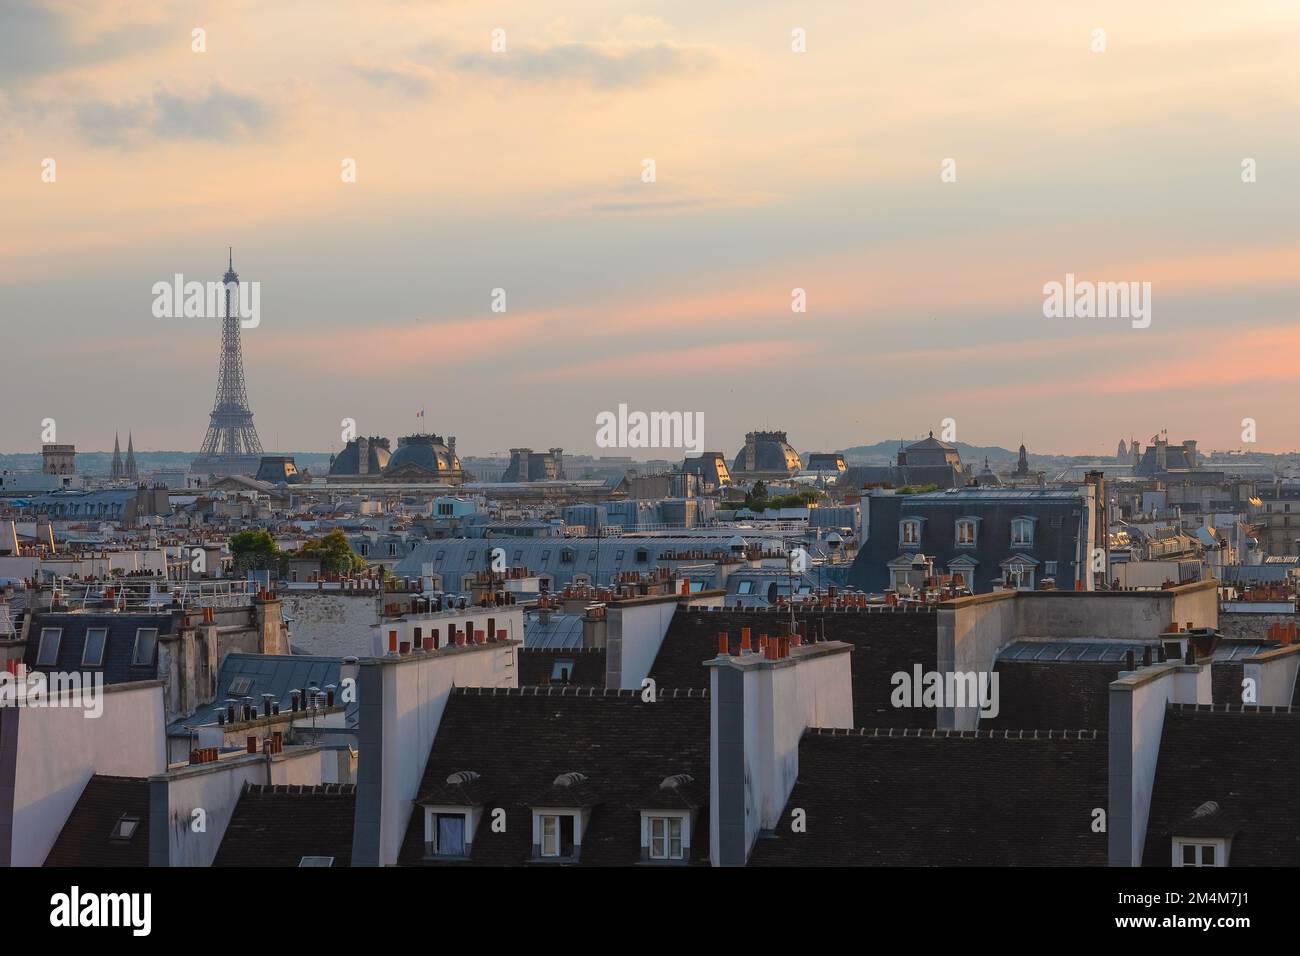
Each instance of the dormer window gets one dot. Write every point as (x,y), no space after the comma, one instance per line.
(557,834)
(448,834)
(909,531)
(668,818)
(560,817)
(666,838)
(967,531)
(1200,852)
(1022,532)
(451,816)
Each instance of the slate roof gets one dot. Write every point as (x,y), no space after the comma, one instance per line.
(884,642)
(277,674)
(945,476)
(457,791)
(1064,683)
(537,666)
(454,557)
(118,649)
(943,798)
(520,741)
(1053,694)
(279,825)
(1247,760)
(562,630)
(86,837)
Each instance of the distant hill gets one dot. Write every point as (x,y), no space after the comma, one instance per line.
(889,449)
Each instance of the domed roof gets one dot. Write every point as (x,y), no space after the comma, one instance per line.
(931,444)
(427,452)
(766,452)
(348,461)
(988,476)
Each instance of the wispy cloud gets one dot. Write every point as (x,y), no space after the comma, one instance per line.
(748,358)
(37,40)
(413,79)
(604,65)
(218,114)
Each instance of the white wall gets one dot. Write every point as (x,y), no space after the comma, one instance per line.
(633,636)
(1138,701)
(781,699)
(60,748)
(813,691)
(414,694)
(215,788)
(970,633)
(1274,673)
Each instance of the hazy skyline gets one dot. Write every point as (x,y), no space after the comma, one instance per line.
(775,170)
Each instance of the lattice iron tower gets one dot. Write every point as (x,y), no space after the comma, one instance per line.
(231,444)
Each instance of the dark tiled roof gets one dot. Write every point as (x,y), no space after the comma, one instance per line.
(456,792)
(519,741)
(1246,760)
(536,665)
(279,825)
(118,649)
(1000,798)
(567,790)
(1225,682)
(678,792)
(85,839)
(884,642)
(1053,694)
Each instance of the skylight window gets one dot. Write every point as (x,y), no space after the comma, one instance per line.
(124,829)
(93,654)
(562,671)
(146,644)
(47,654)
(316,861)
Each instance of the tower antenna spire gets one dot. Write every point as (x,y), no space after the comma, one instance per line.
(231,445)
(230,251)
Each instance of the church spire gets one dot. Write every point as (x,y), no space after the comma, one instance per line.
(130,457)
(116,471)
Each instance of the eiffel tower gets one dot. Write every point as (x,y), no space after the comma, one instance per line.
(231,446)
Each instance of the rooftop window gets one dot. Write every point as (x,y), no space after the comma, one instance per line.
(93,653)
(47,653)
(146,644)
(562,671)
(124,829)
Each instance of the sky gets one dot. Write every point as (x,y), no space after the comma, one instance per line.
(920,170)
